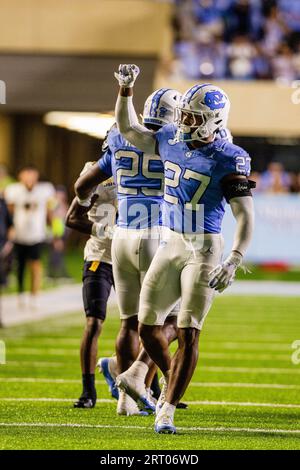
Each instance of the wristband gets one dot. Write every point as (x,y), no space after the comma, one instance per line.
(84,202)
(235,258)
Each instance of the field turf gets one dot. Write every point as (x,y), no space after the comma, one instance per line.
(245,392)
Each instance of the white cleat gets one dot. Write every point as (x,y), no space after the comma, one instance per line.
(162,397)
(126,405)
(150,397)
(164,424)
(137,391)
(108,367)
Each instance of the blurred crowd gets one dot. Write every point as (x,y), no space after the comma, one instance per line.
(32,215)
(276,180)
(237,39)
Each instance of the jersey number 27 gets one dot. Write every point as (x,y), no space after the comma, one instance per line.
(203,182)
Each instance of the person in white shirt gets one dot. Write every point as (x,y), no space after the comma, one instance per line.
(29,202)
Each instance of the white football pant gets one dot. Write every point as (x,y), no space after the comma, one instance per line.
(132,253)
(180,268)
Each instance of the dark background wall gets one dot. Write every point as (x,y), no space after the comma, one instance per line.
(38,83)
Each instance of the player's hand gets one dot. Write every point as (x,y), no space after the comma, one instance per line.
(127,75)
(222,276)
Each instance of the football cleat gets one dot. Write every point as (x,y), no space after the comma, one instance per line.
(127,406)
(137,391)
(181,406)
(105,369)
(84,402)
(164,424)
(150,396)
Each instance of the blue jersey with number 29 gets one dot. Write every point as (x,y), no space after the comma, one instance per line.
(139,180)
(193,199)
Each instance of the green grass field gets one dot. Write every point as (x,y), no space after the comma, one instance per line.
(244,394)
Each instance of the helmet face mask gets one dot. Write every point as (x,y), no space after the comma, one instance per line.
(160,107)
(202,110)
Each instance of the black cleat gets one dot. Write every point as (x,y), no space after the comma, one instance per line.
(85,401)
(182,406)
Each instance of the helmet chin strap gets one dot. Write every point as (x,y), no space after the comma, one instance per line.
(180,131)
(207,140)
(195,136)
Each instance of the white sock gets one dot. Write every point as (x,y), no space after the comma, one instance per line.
(167,376)
(167,409)
(113,367)
(139,370)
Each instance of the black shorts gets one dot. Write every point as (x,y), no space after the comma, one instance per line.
(28,252)
(97,283)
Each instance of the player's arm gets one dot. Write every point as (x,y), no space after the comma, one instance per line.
(237,191)
(126,117)
(87,182)
(77,219)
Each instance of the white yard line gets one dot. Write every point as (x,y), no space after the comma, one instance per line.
(234,356)
(252,370)
(246,404)
(35,364)
(193,384)
(41,380)
(54,400)
(50,352)
(243,345)
(244,385)
(238,370)
(193,402)
(211,345)
(146,428)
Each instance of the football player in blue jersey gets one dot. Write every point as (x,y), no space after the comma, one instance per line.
(201,174)
(139,180)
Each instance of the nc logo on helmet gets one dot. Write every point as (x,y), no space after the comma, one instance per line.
(214,100)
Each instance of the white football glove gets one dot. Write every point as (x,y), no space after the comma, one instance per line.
(222,276)
(127,75)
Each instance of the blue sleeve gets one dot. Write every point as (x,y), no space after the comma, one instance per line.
(235,160)
(105,163)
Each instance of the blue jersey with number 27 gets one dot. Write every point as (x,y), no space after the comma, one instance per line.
(139,180)
(193,199)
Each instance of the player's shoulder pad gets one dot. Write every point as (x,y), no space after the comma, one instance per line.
(110,135)
(167,129)
(166,133)
(229,150)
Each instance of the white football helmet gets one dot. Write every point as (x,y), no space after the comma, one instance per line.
(203,110)
(160,107)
